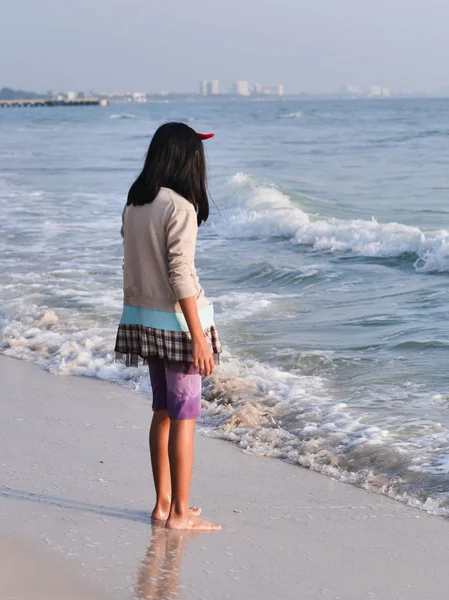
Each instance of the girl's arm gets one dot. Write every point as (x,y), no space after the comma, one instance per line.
(181,241)
(202,355)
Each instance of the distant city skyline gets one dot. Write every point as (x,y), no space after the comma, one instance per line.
(213,89)
(243,88)
(312,47)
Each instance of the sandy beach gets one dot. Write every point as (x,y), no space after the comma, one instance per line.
(76,485)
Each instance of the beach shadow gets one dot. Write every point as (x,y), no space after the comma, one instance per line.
(99,509)
(159,574)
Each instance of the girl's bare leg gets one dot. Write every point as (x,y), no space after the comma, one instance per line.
(180,452)
(159,435)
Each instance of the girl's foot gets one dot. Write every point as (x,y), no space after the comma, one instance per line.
(192,523)
(161,514)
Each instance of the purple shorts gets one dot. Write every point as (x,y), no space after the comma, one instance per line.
(176,388)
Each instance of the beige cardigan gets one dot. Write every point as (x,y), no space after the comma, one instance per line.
(159,243)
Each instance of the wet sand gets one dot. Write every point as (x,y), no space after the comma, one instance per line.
(27,572)
(76,482)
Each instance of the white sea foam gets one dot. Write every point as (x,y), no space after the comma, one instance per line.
(68,348)
(241,305)
(123,116)
(293,115)
(267,212)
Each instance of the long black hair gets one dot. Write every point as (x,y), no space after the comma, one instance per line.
(175,160)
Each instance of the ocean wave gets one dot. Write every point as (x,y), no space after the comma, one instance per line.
(264,211)
(293,115)
(123,116)
(283,275)
(235,306)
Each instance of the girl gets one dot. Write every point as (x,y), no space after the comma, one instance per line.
(167,320)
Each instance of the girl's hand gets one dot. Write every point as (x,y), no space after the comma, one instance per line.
(202,356)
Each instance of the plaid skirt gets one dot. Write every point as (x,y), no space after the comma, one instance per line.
(136,342)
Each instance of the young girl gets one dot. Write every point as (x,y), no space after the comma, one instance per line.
(167,320)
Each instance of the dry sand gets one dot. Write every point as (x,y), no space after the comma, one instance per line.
(75,482)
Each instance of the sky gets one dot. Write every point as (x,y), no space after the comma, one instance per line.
(155,45)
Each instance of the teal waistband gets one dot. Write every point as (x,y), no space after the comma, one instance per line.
(161,319)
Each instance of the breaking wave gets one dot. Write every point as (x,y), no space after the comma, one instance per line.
(267,212)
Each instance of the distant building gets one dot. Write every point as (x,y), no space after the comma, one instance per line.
(259,90)
(352,90)
(213,87)
(241,88)
(209,88)
(71,96)
(375,91)
(139,97)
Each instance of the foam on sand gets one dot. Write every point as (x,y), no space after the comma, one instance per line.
(293,415)
(270,412)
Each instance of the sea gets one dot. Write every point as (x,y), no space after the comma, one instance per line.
(326,256)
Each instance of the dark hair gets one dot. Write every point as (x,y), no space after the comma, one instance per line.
(175,160)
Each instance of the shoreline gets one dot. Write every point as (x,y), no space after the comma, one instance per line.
(76,480)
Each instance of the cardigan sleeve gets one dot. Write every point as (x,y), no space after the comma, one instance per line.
(182,230)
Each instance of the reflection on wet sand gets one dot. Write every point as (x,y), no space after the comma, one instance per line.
(159,574)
